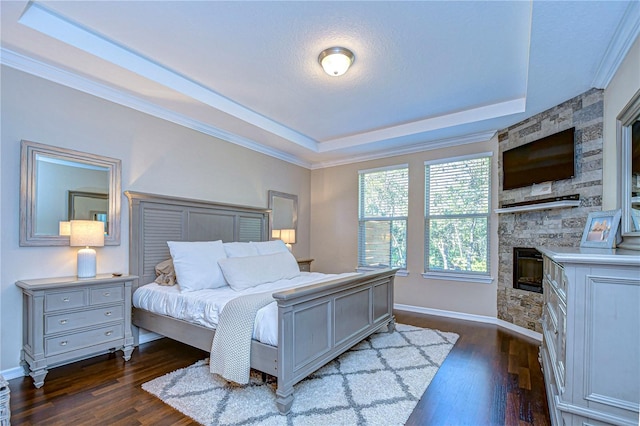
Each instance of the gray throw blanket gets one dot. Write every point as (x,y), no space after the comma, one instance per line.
(231,347)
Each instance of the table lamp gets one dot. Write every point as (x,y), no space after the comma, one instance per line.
(288,236)
(87,234)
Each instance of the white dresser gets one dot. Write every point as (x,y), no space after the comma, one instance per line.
(67,319)
(591,335)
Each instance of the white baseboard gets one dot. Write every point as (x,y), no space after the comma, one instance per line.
(13,373)
(470,317)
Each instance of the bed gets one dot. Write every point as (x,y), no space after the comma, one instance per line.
(315,323)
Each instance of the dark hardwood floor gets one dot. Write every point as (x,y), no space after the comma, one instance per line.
(491,377)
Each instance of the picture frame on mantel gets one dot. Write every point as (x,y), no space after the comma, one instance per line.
(602,229)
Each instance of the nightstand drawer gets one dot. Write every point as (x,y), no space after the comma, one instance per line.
(106,295)
(71,342)
(64,300)
(304,264)
(71,321)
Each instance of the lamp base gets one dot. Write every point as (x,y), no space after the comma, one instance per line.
(86,263)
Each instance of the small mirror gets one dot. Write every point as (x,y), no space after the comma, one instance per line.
(58,185)
(628,130)
(89,206)
(284,216)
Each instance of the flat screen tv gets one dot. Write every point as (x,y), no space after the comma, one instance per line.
(547,159)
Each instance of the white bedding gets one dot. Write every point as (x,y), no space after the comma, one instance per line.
(203,306)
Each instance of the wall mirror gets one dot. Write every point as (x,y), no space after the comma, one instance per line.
(284,216)
(58,184)
(628,133)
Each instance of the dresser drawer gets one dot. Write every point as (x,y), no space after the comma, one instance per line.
(552,302)
(71,321)
(106,295)
(562,285)
(84,339)
(561,345)
(57,301)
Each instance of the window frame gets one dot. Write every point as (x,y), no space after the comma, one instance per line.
(362,219)
(481,277)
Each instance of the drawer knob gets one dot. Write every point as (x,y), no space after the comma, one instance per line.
(106,294)
(108,313)
(63,343)
(108,333)
(63,321)
(65,299)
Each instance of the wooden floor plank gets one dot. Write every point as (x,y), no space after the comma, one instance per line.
(491,377)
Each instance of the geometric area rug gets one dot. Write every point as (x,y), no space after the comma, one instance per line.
(377,382)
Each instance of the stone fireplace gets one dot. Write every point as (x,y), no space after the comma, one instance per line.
(548,227)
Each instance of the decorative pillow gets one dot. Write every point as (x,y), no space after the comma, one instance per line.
(165,274)
(250,271)
(240,249)
(196,264)
(271,247)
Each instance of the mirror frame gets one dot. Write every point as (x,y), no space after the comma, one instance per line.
(294,198)
(630,113)
(28,154)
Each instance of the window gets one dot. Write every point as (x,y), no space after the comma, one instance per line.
(384,206)
(457,217)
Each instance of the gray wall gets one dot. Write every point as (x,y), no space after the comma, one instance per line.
(334,232)
(157,157)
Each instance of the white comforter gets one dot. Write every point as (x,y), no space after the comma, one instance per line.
(204,306)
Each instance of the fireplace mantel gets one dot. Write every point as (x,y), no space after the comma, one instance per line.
(540,206)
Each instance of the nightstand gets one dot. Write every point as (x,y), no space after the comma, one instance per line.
(304,264)
(68,319)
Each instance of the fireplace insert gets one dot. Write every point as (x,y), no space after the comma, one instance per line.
(527,269)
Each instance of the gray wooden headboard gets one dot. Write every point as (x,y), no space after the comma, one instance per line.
(156,219)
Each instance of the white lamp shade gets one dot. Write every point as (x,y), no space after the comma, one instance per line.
(87,233)
(288,236)
(275,234)
(64,228)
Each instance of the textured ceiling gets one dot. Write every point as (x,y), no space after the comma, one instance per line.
(426,74)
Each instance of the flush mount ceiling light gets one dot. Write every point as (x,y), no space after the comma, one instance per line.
(336,60)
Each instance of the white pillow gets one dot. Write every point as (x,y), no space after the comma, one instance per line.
(196,264)
(271,247)
(240,249)
(245,272)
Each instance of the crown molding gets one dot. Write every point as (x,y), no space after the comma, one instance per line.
(411,149)
(627,32)
(471,115)
(48,72)
(40,18)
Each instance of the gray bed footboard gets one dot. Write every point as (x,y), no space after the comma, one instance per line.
(317,323)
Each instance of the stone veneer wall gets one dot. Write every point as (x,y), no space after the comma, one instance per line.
(551,227)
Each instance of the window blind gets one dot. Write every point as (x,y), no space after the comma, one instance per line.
(457,216)
(383,210)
